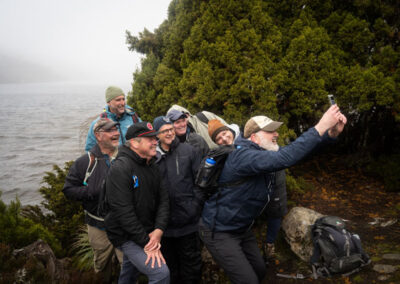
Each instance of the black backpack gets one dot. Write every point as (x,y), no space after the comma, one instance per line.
(207,177)
(336,250)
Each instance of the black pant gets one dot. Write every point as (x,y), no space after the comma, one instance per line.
(183,257)
(237,253)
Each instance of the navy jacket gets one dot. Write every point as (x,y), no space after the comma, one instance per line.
(178,169)
(234,208)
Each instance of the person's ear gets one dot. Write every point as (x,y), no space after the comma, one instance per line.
(254,138)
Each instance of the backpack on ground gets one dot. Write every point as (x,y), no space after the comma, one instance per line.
(336,250)
(211,167)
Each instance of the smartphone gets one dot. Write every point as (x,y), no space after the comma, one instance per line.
(331,99)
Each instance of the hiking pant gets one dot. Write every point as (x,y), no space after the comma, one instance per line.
(103,251)
(183,257)
(133,265)
(273,226)
(237,253)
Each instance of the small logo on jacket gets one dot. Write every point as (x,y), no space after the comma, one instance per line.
(135,181)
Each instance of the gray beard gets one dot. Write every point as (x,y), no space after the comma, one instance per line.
(268,145)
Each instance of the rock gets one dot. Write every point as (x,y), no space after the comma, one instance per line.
(384,268)
(383,277)
(391,256)
(297,227)
(42,252)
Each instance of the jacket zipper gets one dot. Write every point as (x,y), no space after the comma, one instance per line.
(177,165)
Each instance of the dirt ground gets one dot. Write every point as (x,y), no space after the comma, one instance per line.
(339,190)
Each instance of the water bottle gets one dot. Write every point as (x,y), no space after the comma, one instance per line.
(207,169)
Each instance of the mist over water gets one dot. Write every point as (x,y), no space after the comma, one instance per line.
(42,124)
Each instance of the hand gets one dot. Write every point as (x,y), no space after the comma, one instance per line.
(155,239)
(154,255)
(329,119)
(338,128)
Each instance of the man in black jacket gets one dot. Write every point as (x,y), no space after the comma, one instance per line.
(178,163)
(83,183)
(138,207)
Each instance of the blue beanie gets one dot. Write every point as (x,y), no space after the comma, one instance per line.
(159,121)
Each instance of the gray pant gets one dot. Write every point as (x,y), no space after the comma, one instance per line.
(133,264)
(237,253)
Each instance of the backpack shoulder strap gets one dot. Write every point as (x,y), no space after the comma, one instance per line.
(91,166)
(135,117)
(202,117)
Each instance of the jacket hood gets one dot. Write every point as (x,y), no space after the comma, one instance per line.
(180,108)
(96,151)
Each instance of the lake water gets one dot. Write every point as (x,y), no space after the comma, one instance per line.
(42,125)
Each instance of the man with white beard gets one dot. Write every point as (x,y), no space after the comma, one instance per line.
(246,183)
(277,206)
(221,134)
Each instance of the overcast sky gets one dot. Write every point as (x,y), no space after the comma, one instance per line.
(83,39)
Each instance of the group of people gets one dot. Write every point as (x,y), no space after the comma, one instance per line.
(157,217)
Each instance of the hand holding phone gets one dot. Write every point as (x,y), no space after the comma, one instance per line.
(331,99)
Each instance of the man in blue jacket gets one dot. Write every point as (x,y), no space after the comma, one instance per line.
(116,110)
(248,176)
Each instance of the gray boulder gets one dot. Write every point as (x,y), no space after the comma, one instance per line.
(44,255)
(297,227)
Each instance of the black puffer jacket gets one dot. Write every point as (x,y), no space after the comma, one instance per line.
(134,210)
(87,194)
(178,169)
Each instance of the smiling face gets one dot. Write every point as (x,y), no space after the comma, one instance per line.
(117,105)
(266,139)
(225,137)
(180,126)
(145,147)
(108,139)
(166,135)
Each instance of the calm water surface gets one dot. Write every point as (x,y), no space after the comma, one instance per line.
(41,125)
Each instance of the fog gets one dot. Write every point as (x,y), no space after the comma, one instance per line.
(73,40)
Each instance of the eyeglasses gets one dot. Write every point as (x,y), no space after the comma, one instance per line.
(166,131)
(109,130)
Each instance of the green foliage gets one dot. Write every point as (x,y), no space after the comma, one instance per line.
(388,168)
(64,216)
(18,231)
(83,257)
(280,58)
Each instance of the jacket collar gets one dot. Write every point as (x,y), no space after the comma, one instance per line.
(242,142)
(127,152)
(96,151)
(113,116)
(161,153)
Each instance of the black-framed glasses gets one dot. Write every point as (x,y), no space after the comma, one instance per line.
(165,131)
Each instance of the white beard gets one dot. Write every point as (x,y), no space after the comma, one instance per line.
(268,145)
